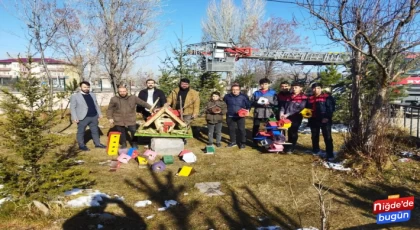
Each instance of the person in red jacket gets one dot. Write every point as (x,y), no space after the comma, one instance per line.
(323,107)
(294,104)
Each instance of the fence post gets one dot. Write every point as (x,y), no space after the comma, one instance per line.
(100,82)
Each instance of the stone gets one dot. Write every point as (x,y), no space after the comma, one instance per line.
(41,207)
(167,146)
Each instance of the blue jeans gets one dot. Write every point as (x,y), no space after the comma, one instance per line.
(92,122)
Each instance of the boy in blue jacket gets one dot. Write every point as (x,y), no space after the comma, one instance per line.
(236,101)
(263,100)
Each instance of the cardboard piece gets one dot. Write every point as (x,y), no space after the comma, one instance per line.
(185,171)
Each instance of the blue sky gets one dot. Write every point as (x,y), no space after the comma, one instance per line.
(178,14)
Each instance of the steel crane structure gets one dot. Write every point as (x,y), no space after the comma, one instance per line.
(219,56)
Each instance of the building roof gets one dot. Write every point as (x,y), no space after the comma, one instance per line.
(47,60)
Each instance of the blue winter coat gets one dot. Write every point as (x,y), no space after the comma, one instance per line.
(235,103)
(262,111)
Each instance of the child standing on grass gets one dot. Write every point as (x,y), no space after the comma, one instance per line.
(215,109)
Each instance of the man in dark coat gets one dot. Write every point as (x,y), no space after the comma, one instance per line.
(122,113)
(150,95)
(236,101)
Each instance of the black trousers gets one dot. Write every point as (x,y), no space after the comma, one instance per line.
(233,123)
(123,137)
(316,125)
(292,132)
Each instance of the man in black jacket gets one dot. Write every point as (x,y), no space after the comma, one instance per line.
(150,95)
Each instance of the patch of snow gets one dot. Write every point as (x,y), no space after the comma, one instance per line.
(269,228)
(404,160)
(143,203)
(74,191)
(93,199)
(79,162)
(336,166)
(4,200)
(150,217)
(100,226)
(1,186)
(169,203)
(406,154)
(161,209)
(310,228)
(185,193)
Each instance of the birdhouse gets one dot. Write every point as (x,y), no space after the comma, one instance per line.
(158,166)
(185,171)
(151,155)
(243,112)
(279,139)
(113,143)
(124,158)
(142,160)
(210,149)
(276,148)
(284,123)
(306,113)
(168,159)
(271,124)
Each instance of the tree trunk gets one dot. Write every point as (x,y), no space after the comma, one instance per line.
(374,119)
(355,108)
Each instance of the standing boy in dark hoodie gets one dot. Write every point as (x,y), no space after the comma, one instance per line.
(295,102)
(263,100)
(323,107)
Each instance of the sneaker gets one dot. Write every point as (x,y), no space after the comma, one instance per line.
(242,146)
(84,148)
(101,146)
(231,145)
(218,144)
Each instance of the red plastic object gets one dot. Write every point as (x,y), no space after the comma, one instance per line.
(243,113)
(283,122)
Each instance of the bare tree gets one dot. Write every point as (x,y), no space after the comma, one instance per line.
(76,44)
(42,19)
(276,34)
(381,32)
(123,31)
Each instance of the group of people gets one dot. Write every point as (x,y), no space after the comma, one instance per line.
(234,106)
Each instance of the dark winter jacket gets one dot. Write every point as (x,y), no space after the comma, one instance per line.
(214,118)
(322,106)
(143,94)
(235,103)
(264,111)
(123,110)
(293,104)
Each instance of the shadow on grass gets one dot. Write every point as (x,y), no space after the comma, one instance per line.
(249,212)
(161,190)
(88,135)
(90,218)
(362,197)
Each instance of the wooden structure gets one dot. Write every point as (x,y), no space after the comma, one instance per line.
(165,123)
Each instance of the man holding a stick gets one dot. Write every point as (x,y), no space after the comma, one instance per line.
(185,100)
(151,95)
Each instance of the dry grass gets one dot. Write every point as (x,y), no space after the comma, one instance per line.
(255,185)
